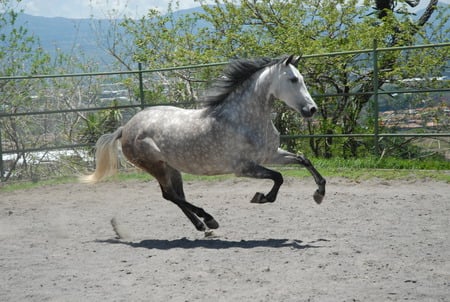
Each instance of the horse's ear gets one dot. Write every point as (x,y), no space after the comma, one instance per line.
(292,60)
(295,60)
(288,60)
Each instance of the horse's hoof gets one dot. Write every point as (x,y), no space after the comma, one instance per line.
(318,197)
(259,198)
(212,223)
(200,227)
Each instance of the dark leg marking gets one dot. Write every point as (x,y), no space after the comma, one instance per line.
(260,172)
(283,157)
(177,183)
(170,195)
(320,181)
(171,184)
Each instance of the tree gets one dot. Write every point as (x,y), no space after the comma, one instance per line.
(21,55)
(168,40)
(232,29)
(18,55)
(250,28)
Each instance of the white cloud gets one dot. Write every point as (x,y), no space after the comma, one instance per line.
(108,8)
(97,8)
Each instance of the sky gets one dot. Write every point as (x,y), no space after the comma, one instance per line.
(97,8)
(109,8)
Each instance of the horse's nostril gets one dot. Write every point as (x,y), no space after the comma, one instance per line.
(308,111)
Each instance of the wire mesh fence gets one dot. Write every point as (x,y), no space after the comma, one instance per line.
(49,123)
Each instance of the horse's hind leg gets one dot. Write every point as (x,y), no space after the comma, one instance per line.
(176,182)
(145,154)
(167,194)
(172,189)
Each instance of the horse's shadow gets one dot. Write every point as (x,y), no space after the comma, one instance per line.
(218,244)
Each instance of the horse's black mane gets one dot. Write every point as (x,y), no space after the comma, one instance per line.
(233,76)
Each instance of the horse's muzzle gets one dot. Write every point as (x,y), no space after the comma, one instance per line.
(308,111)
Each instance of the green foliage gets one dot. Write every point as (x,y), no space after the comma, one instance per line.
(165,40)
(246,29)
(19,54)
(97,124)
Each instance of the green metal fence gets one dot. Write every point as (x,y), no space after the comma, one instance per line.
(375,51)
(140,102)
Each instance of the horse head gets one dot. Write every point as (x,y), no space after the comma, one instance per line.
(288,86)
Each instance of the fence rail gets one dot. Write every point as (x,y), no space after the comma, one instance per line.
(375,51)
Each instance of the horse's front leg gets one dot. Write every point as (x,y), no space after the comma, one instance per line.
(284,158)
(256,171)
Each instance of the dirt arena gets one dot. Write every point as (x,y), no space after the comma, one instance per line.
(373,240)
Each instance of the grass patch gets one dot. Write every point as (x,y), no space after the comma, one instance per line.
(354,169)
(24,185)
(365,174)
(382,163)
(373,167)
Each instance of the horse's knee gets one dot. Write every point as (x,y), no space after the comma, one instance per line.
(166,196)
(304,161)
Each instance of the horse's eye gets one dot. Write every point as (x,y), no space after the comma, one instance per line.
(294,80)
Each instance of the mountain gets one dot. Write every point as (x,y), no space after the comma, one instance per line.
(77,35)
(70,36)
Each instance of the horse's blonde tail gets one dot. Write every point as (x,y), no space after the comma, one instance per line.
(106,155)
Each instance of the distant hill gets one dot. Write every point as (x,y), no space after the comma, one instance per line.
(67,35)
(75,35)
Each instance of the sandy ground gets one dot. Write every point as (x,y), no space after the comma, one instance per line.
(369,241)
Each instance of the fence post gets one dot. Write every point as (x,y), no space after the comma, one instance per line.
(1,155)
(375,97)
(141,86)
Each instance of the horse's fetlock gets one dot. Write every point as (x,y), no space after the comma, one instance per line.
(200,227)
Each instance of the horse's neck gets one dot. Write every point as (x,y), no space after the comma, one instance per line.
(252,102)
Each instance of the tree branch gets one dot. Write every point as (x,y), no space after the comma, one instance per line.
(428,12)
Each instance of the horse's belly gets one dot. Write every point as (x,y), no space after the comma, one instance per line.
(208,171)
(217,159)
(199,162)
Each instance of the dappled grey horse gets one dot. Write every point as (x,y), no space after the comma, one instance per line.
(233,133)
